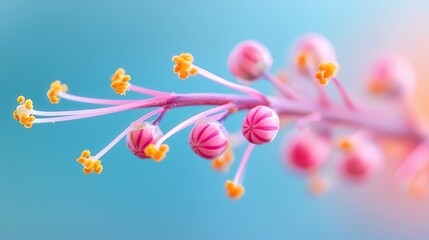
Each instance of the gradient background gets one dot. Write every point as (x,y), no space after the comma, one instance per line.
(44,194)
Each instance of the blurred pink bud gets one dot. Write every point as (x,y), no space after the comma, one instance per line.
(392,75)
(249,60)
(141,136)
(362,160)
(208,138)
(306,151)
(310,50)
(260,125)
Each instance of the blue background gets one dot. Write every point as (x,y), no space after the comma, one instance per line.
(44,194)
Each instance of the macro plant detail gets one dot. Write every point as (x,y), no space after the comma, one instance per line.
(316,116)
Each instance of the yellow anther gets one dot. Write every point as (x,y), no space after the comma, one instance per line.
(55,88)
(301,61)
(317,185)
(234,191)
(156,154)
(183,67)
(120,72)
(346,145)
(89,163)
(27,120)
(326,71)
(85,154)
(223,162)
(87,170)
(378,87)
(15,115)
(330,69)
(164,148)
(119,82)
(28,104)
(417,189)
(20,99)
(22,113)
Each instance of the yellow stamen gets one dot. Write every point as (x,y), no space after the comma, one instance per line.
(23,112)
(119,82)
(223,162)
(317,185)
(15,115)
(183,67)
(418,187)
(156,154)
(55,88)
(326,71)
(20,99)
(346,145)
(301,61)
(233,191)
(378,87)
(89,163)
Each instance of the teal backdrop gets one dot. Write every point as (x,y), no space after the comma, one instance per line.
(45,195)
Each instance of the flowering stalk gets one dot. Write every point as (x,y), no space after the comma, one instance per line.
(250,61)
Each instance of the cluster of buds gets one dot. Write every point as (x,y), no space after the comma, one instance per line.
(358,155)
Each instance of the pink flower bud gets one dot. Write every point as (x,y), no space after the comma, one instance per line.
(356,167)
(306,151)
(141,136)
(249,60)
(208,139)
(310,50)
(362,159)
(392,75)
(260,125)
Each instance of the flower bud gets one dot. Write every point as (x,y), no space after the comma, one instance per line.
(141,136)
(208,139)
(311,50)
(392,75)
(361,159)
(357,167)
(306,151)
(260,125)
(249,60)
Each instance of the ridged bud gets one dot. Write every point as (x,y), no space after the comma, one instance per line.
(260,125)
(249,60)
(141,136)
(208,138)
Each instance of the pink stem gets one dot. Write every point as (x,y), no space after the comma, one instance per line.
(106,110)
(288,92)
(192,120)
(313,117)
(250,91)
(378,124)
(98,112)
(220,116)
(415,161)
(125,132)
(243,163)
(323,96)
(93,100)
(146,91)
(347,100)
